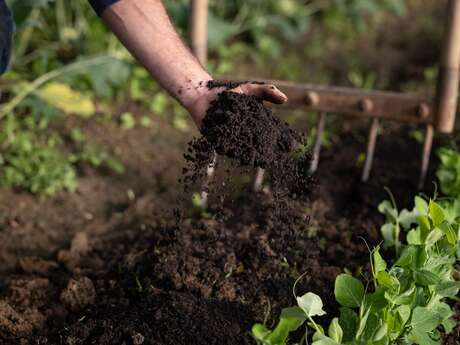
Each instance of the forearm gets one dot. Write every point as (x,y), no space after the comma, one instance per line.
(144,27)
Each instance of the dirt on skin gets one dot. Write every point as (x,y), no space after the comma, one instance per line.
(130,276)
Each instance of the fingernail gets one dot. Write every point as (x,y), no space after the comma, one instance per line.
(282,95)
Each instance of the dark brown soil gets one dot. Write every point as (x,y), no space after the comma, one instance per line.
(129,275)
(240,127)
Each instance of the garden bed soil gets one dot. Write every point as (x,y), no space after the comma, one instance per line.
(109,265)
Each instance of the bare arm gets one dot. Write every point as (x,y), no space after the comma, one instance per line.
(146,31)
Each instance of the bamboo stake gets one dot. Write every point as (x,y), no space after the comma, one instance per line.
(370,149)
(426,155)
(318,140)
(449,74)
(199,30)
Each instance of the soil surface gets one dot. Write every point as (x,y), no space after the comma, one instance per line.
(108,265)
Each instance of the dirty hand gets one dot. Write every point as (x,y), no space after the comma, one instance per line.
(266,92)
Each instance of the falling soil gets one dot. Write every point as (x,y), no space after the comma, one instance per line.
(240,127)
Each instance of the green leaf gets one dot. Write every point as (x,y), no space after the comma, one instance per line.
(421,297)
(449,325)
(448,288)
(376,300)
(424,226)
(386,280)
(371,326)
(406,297)
(403,314)
(425,278)
(443,310)
(407,218)
(434,236)
(412,256)
(260,332)
(388,231)
(424,319)
(379,263)
(364,316)
(436,213)
(421,205)
(335,332)
(349,291)
(414,237)
(386,208)
(450,233)
(422,338)
(279,335)
(295,317)
(380,333)
(321,339)
(311,304)
(349,323)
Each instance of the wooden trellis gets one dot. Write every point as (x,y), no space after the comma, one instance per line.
(434,114)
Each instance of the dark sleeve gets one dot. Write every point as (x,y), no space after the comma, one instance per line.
(100,5)
(6,35)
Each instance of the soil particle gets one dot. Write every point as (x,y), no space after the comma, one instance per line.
(15,325)
(80,293)
(79,247)
(33,264)
(138,339)
(29,292)
(80,244)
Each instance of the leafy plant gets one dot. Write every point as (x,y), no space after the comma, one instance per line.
(448,172)
(395,221)
(406,304)
(35,159)
(32,161)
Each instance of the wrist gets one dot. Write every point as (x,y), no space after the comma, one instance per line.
(192,91)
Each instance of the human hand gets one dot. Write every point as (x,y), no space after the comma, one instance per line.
(200,104)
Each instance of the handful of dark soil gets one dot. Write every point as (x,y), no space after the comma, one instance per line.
(240,127)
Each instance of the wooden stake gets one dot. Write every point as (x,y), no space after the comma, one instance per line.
(449,75)
(319,137)
(426,155)
(199,30)
(259,180)
(370,149)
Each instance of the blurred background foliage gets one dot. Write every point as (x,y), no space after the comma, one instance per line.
(66,62)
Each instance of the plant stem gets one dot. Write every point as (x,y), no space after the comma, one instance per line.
(61,20)
(397,242)
(314,324)
(27,34)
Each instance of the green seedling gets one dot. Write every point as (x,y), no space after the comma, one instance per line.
(407,304)
(394,221)
(448,172)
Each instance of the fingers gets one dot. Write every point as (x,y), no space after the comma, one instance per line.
(266,92)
